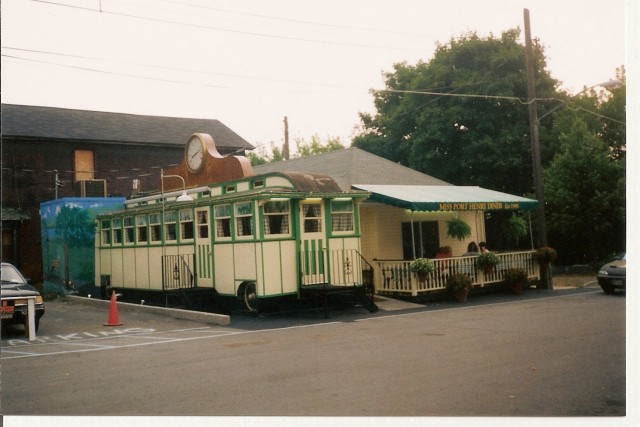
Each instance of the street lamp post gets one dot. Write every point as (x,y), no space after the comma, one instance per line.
(184,197)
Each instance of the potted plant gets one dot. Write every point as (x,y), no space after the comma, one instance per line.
(458,229)
(516,279)
(487,261)
(459,284)
(422,267)
(515,228)
(545,256)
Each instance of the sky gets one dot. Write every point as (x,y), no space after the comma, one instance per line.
(251,63)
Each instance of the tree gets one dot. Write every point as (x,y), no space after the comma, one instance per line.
(304,149)
(316,146)
(585,195)
(460,117)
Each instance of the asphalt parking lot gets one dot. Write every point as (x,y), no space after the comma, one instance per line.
(494,355)
(76,324)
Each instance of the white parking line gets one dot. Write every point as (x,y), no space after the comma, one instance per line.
(204,333)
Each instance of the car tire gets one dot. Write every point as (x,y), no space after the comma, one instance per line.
(608,289)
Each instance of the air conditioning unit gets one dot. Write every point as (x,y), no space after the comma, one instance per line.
(91,188)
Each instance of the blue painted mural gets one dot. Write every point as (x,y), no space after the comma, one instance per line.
(68,235)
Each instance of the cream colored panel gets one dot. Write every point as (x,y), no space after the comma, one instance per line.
(129,268)
(223,265)
(155,268)
(278,181)
(142,268)
(278,268)
(116,268)
(244,258)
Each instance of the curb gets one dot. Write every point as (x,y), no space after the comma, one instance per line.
(195,316)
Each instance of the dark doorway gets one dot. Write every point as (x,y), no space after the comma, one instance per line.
(425,237)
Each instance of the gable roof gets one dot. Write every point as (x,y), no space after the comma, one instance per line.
(34,122)
(353,166)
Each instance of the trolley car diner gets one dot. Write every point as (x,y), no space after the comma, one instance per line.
(227,232)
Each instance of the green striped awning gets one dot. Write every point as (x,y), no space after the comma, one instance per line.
(446,198)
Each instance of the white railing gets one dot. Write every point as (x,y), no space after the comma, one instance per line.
(341,267)
(395,276)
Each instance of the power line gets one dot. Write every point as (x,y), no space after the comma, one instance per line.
(160,67)
(297,21)
(228,30)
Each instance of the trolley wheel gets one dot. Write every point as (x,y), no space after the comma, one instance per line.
(251,297)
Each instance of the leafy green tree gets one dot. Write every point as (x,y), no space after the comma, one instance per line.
(462,116)
(585,195)
(316,146)
(304,149)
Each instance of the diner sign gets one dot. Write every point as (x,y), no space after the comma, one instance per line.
(478,206)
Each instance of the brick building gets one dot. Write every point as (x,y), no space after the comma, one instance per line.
(90,153)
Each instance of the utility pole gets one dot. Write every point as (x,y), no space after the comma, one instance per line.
(285,149)
(535,142)
(535,135)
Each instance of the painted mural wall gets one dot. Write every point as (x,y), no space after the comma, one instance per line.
(67,236)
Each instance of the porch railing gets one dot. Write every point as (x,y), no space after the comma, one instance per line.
(341,267)
(395,276)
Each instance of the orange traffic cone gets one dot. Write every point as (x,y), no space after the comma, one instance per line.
(113,312)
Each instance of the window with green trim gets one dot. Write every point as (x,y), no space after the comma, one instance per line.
(342,215)
(243,215)
(202,220)
(129,230)
(186,224)
(222,214)
(312,214)
(155,222)
(105,227)
(170,226)
(141,226)
(116,230)
(276,216)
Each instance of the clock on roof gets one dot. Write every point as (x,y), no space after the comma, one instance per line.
(195,153)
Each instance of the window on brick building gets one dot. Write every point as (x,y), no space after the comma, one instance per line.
(84,166)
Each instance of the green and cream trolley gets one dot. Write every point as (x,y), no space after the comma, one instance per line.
(254,238)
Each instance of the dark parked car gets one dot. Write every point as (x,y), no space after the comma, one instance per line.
(613,276)
(15,286)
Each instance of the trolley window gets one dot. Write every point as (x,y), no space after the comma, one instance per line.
(223,220)
(243,219)
(105,226)
(312,218)
(186,224)
(141,226)
(341,215)
(170,226)
(116,228)
(276,217)
(202,219)
(154,226)
(129,231)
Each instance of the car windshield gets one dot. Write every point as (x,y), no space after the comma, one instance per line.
(11,275)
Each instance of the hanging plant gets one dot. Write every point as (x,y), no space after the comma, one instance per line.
(458,229)
(515,229)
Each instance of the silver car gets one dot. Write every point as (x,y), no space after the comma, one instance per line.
(613,276)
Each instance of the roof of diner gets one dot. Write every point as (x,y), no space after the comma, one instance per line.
(445,198)
(350,166)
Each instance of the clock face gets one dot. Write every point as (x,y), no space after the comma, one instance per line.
(195,154)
